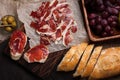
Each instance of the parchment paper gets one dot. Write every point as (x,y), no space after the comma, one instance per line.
(24,9)
(7,7)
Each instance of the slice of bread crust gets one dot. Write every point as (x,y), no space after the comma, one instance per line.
(72,57)
(92,61)
(108,64)
(84,60)
(76,57)
(66,59)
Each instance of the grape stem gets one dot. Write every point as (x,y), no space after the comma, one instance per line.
(2,26)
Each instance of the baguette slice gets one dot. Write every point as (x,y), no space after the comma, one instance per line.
(66,59)
(92,61)
(108,64)
(64,64)
(84,60)
(76,57)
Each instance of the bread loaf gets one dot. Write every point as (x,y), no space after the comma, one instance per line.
(72,57)
(84,60)
(66,59)
(76,57)
(92,61)
(108,64)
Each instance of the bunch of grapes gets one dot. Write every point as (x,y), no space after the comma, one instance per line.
(103,16)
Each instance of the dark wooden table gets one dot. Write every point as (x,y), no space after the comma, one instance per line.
(9,70)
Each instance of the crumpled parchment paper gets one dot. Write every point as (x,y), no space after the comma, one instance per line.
(24,9)
(7,7)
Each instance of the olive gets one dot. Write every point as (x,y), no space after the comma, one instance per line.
(4,18)
(14,24)
(10,19)
(4,22)
(8,29)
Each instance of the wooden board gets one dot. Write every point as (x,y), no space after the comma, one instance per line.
(47,71)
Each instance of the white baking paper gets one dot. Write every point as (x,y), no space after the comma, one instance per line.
(7,7)
(24,9)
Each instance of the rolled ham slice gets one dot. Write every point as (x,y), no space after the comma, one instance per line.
(17,44)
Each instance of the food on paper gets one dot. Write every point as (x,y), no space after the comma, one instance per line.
(55,37)
(4,18)
(108,64)
(54,22)
(17,44)
(37,54)
(14,24)
(84,60)
(92,61)
(72,57)
(10,21)
(8,28)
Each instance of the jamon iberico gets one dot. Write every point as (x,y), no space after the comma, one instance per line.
(38,53)
(53,20)
(17,44)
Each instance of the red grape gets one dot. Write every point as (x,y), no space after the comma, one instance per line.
(92,16)
(104,22)
(105,14)
(117,7)
(108,3)
(92,22)
(99,2)
(115,11)
(113,24)
(101,8)
(110,19)
(98,19)
(115,18)
(108,29)
(98,29)
(111,33)
(104,34)
(109,9)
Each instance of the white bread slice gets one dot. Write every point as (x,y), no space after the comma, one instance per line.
(66,59)
(92,61)
(83,60)
(76,57)
(71,56)
(108,64)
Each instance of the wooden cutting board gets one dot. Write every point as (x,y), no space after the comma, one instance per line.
(45,70)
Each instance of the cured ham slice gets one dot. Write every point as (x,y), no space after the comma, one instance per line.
(37,54)
(54,18)
(17,44)
(67,38)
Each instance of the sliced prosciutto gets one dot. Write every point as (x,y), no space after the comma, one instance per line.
(17,44)
(55,19)
(38,53)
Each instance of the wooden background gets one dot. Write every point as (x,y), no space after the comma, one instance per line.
(47,71)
